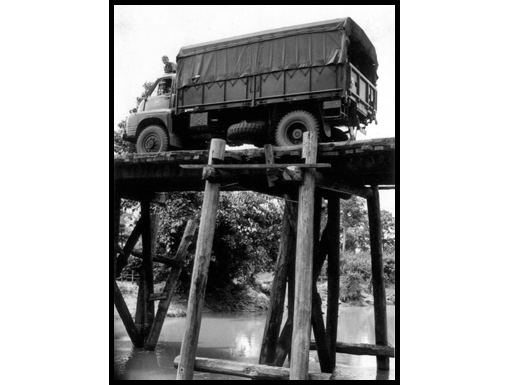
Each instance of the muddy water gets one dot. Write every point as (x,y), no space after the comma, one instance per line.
(237,337)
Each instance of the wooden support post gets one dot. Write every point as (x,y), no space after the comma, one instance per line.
(333,275)
(319,329)
(201,268)
(304,265)
(122,261)
(283,348)
(278,291)
(171,283)
(115,236)
(381,316)
(145,308)
(268,150)
(127,320)
(118,299)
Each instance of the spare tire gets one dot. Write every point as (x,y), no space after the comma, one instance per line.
(249,133)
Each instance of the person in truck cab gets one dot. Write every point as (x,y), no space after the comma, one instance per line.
(163,88)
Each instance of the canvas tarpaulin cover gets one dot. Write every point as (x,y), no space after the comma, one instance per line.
(310,45)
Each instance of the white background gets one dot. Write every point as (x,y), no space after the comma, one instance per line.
(55,184)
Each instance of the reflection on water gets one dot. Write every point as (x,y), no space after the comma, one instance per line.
(238,337)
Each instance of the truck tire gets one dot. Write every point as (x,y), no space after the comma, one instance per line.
(292,126)
(249,133)
(152,139)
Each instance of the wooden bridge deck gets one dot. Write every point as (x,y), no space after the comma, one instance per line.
(355,164)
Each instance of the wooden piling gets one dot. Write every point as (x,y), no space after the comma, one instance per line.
(319,331)
(126,317)
(333,276)
(320,253)
(381,316)
(201,268)
(122,261)
(115,236)
(283,348)
(278,291)
(304,265)
(145,307)
(169,289)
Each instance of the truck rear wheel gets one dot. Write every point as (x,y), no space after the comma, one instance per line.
(246,133)
(291,128)
(152,139)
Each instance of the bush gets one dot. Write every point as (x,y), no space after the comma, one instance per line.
(352,286)
(356,274)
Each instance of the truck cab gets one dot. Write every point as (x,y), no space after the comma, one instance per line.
(150,128)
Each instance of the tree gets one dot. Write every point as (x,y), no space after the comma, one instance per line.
(119,145)
(356,230)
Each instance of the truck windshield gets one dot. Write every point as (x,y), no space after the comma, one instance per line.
(163,87)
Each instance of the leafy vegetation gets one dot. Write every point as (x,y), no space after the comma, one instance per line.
(356,274)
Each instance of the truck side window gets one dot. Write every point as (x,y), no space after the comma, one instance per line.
(155,91)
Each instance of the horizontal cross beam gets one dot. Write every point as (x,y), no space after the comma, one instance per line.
(255,166)
(361,349)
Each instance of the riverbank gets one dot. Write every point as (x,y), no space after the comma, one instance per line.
(246,300)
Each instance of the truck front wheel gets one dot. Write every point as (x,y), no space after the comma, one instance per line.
(152,139)
(291,128)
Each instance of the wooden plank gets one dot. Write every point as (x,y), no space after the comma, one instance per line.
(245,370)
(304,265)
(126,318)
(381,314)
(256,166)
(201,268)
(122,261)
(170,286)
(333,276)
(278,291)
(361,349)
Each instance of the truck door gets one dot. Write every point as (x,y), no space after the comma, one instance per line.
(160,98)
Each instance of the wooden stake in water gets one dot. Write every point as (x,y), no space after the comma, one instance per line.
(201,268)
(299,364)
(381,314)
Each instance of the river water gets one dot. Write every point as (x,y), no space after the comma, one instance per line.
(238,337)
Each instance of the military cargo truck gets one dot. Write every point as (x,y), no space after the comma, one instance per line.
(264,88)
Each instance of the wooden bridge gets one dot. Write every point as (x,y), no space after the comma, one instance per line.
(303,175)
